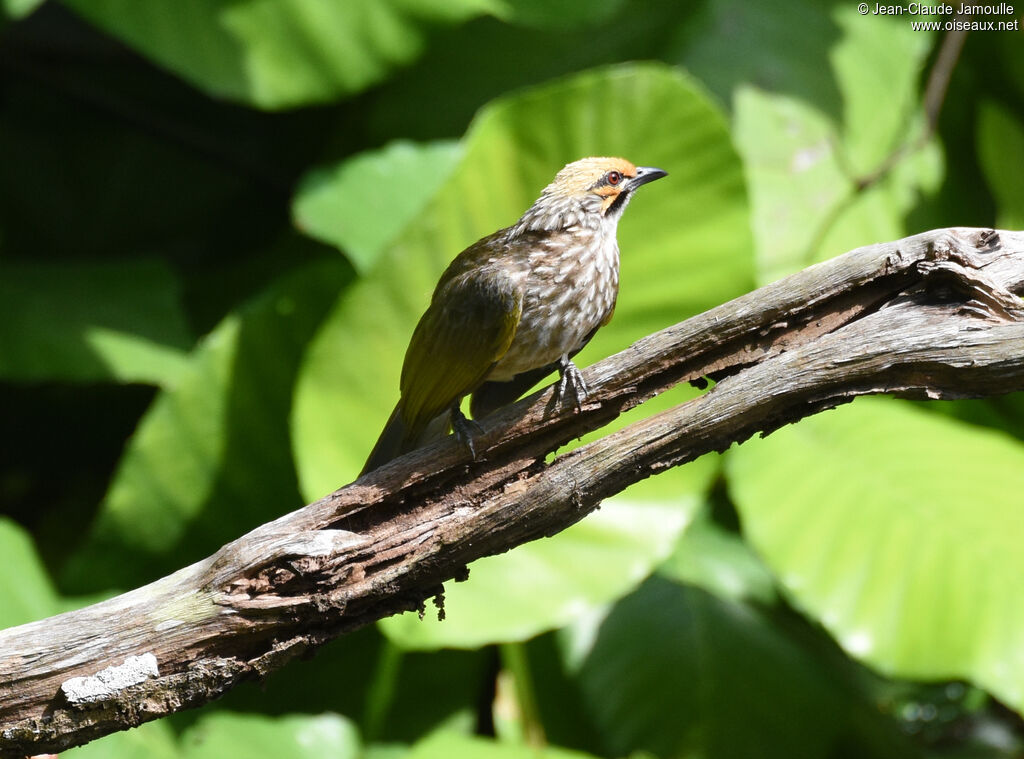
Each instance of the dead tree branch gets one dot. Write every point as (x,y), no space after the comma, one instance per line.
(930,316)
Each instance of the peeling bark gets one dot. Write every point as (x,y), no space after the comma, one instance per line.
(931,316)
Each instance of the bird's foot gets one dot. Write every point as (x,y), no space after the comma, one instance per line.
(570,379)
(464,429)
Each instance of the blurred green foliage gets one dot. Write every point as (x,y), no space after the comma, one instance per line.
(219,221)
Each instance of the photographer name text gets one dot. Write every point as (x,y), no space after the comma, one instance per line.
(943,9)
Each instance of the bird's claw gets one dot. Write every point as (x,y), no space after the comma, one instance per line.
(464,429)
(570,379)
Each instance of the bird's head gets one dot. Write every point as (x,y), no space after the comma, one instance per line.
(589,192)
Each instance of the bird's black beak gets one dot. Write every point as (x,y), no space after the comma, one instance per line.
(645,174)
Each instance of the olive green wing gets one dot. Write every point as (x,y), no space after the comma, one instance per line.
(469,326)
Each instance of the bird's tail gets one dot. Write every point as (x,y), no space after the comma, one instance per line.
(399,437)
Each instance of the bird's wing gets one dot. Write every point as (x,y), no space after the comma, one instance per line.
(468,327)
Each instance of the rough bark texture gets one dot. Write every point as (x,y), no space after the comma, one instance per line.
(930,316)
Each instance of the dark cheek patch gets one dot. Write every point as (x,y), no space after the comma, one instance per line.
(612,203)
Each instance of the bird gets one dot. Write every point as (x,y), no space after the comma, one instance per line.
(514,307)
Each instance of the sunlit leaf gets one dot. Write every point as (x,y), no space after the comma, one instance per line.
(211,456)
(80,322)
(448,745)
(563,14)
(833,103)
(153,740)
(365,202)
(222,734)
(277,53)
(18,8)
(900,531)
(26,593)
(719,561)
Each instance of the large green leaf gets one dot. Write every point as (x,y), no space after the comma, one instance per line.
(835,98)
(680,673)
(692,222)
(277,53)
(900,531)
(18,8)
(211,456)
(26,593)
(563,14)
(490,59)
(223,734)
(785,49)
(153,740)
(806,207)
(363,203)
(449,745)
(80,322)
(719,561)
(1001,153)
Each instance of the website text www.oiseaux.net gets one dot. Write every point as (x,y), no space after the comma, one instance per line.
(965,18)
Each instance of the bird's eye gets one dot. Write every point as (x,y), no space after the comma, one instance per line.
(614,177)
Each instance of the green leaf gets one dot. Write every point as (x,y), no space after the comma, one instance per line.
(18,8)
(361,204)
(877,63)
(153,740)
(26,593)
(386,751)
(785,49)
(211,456)
(565,14)
(547,583)
(84,322)
(448,745)
(515,56)
(721,562)
(835,96)
(900,531)
(806,208)
(223,734)
(1001,153)
(678,672)
(277,54)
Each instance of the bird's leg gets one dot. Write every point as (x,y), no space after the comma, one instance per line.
(570,378)
(464,429)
